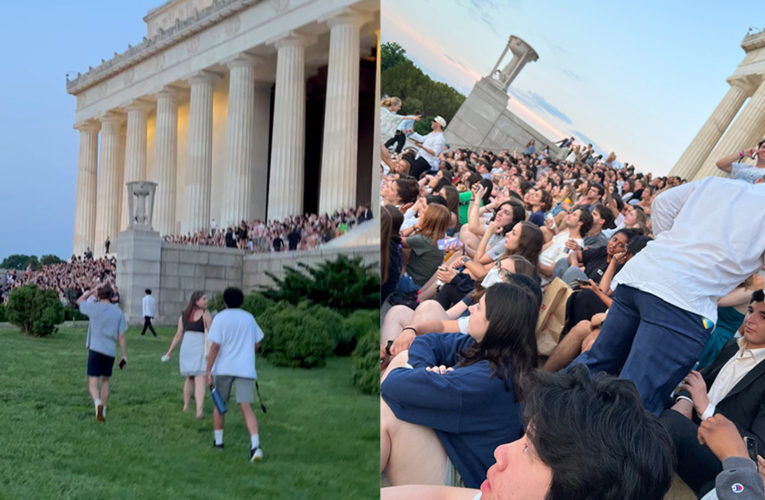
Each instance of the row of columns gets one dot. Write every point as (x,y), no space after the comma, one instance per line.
(709,145)
(100,202)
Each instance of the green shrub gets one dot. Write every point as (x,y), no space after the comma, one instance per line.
(71,314)
(35,311)
(256,304)
(345,285)
(295,336)
(2,313)
(215,302)
(365,361)
(353,328)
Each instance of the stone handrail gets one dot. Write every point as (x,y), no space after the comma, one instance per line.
(182,29)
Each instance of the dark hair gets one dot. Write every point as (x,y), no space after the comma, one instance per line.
(637,243)
(607,215)
(519,213)
(437,199)
(599,187)
(233,297)
(757,296)
(489,187)
(617,450)
(545,200)
(585,219)
(105,292)
(148,291)
(385,233)
(530,242)
(192,305)
(510,342)
(407,189)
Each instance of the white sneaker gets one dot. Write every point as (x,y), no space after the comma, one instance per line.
(256,454)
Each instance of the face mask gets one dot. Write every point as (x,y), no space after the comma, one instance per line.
(491,278)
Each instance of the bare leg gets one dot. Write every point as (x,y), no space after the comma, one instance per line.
(396,318)
(93,388)
(218,420)
(409,453)
(199,394)
(568,348)
(104,390)
(249,418)
(187,389)
(427,310)
(429,289)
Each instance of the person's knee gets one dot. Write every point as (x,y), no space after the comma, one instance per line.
(429,309)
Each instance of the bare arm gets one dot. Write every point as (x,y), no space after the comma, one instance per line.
(123,345)
(211,356)
(726,163)
(474,213)
(176,338)
(207,319)
(480,253)
(426,492)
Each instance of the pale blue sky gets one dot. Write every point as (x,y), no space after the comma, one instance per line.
(41,42)
(637,78)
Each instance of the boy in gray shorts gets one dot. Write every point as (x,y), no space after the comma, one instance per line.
(234,337)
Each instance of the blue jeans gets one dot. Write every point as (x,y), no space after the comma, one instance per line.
(648,341)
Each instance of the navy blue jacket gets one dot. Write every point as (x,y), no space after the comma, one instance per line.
(470,413)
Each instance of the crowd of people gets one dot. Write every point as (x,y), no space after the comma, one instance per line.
(300,232)
(662,286)
(68,279)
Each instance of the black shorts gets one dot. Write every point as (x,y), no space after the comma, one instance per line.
(99,365)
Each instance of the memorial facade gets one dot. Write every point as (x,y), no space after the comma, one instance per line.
(237,109)
(721,135)
(484,120)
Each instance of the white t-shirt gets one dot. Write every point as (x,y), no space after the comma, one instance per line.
(746,172)
(709,239)
(435,142)
(236,331)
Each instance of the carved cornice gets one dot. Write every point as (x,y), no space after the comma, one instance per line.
(753,41)
(218,11)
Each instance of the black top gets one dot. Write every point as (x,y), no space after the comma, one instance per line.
(194,326)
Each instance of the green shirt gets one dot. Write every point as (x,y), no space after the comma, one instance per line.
(424,259)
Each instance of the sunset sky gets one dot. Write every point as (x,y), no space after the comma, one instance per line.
(637,78)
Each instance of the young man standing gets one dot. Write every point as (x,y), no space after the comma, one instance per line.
(234,337)
(149,306)
(105,326)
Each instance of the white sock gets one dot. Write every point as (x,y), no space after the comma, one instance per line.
(96,402)
(218,434)
(104,413)
(254,441)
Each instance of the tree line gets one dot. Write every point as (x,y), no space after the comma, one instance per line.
(418,92)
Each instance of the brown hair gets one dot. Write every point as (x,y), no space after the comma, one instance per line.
(192,306)
(434,222)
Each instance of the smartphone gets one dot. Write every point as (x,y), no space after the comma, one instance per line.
(751,447)
(582,282)
(122,364)
(443,243)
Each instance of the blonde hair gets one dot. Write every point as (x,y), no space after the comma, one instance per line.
(390,101)
(434,222)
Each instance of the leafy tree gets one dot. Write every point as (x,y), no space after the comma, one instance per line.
(402,78)
(391,54)
(34,310)
(47,260)
(16,261)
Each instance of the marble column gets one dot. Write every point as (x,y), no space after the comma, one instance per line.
(259,183)
(698,150)
(240,131)
(745,132)
(199,157)
(85,201)
(285,193)
(108,186)
(135,152)
(165,159)
(341,115)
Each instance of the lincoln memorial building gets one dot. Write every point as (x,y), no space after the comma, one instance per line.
(237,109)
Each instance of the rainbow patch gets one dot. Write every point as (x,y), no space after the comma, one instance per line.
(707,324)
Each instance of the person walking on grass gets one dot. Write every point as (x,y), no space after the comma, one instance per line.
(149,306)
(234,337)
(106,326)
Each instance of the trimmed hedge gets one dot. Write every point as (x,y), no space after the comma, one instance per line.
(34,310)
(365,362)
(355,326)
(295,336)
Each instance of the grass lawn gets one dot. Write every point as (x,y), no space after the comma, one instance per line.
(320,435)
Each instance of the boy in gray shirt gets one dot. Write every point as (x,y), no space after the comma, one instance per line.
(106,326)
